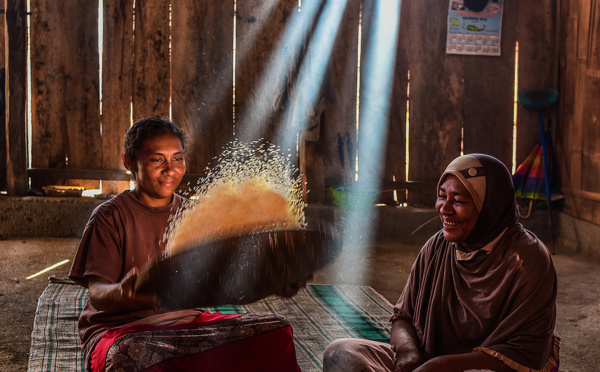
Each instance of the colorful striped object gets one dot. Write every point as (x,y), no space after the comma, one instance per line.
(529,177)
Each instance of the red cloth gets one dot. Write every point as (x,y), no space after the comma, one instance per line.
(113,334)
(270,352)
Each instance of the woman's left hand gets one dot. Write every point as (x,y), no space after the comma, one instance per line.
(291,289)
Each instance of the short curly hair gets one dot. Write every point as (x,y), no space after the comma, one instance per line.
(148,128)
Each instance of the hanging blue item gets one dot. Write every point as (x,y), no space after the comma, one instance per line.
(540,100)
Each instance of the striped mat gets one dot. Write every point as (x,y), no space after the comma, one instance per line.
(319,314)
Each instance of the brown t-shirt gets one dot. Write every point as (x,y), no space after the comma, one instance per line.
(122,233)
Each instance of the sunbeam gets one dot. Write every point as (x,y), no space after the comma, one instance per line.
(311,72)
(254,117)
(378,59)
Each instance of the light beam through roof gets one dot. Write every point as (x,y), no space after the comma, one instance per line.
(311,72)
(377,75)
(252,120)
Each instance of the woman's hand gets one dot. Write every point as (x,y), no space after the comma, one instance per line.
(115,297)
(291,289)
(406,344)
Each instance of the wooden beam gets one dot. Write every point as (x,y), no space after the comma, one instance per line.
(95,174)
(587,195)
(16,88)
(395,185)
(78,174)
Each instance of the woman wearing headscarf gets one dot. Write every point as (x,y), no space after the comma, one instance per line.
(481,294)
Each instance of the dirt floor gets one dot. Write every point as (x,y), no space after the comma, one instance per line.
(385,267)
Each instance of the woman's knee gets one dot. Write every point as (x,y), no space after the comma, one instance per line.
(343,355)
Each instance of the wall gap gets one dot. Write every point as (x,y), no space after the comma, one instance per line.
(170,61)
(100,54)
(515,109)
(358,92)
(28,73)
(132,63)
(407,141)
(234,60)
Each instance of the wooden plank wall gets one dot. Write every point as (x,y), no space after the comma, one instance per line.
(177,58)
(117,85)
(578,145)
(262,91)
(331,139)
(2,112)
(538,67)
(13,144)
(65,84)
(202,74)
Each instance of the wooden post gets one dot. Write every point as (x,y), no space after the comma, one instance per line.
(117,76)
(151,72)
(2,111)
(202,74)
(16,81)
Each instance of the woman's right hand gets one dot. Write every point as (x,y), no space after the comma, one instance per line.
(121,296)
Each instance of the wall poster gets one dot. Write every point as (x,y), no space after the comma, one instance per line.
(474,27)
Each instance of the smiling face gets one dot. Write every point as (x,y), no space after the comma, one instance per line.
(158,167)
(457,210)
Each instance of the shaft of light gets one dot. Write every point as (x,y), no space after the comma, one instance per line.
(48,269)
(311,72)
(254,117)
(377,76)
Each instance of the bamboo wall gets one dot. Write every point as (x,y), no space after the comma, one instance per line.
(578,132)
(179,59)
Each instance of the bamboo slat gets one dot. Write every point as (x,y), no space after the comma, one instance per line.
(594,50)
(335,133)
(382,96)
(436,93)
(395,156)
(2,111)
(117,75)
(151,66)
(266,64)
(303,79)
(15,93)
(488,96)
(202,54)
(575,70)
(568,137)
(590,162)
(536,24)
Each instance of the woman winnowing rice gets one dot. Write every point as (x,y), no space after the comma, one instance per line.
(122,330)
